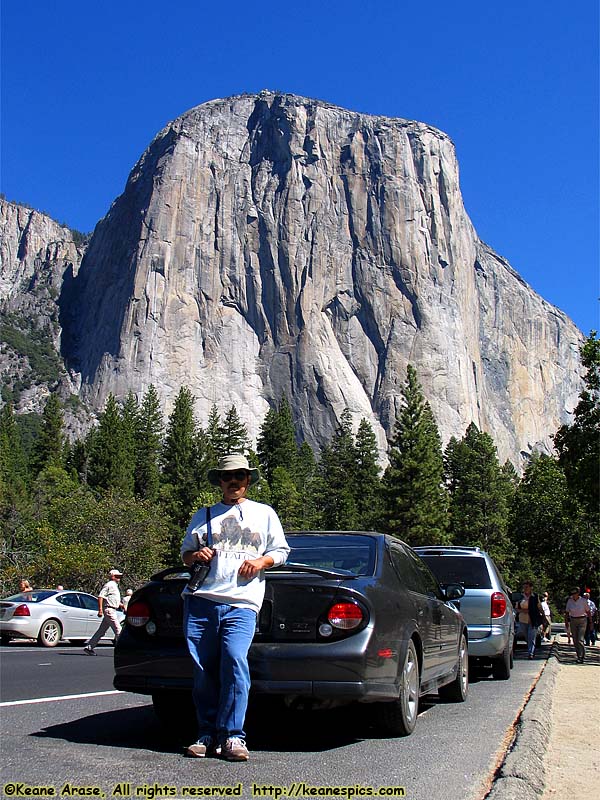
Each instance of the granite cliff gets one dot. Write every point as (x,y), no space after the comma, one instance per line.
(35,255)
(271,244)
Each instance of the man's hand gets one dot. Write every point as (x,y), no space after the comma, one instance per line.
(252,567)
(205,554)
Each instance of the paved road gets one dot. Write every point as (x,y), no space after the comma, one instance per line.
(102,740)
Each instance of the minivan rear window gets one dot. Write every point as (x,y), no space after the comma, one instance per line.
(470,571)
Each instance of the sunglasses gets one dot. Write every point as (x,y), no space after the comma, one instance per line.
(235,475)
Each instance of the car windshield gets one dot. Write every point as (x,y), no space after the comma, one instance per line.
(470,571)
(354,554)
(31,597)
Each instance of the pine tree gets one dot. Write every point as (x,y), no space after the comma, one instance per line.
(130,422)
(77,460)
(179,459)
(48,449)
(415,500)
(543,529)
(478,494)
(309,487)
(337,468)
(150,429)
(215,443)
(286,499)
(109,465)
(13,466)
(578,444)
(368,483)
(276,443)
(234,434)
(578,447)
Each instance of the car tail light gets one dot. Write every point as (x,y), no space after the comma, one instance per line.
(345,616)
(138,614)
(21,611)
(498,605)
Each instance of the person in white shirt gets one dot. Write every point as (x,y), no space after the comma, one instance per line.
(578,617)
(109,601)
(127,598)
(547,630)
(590,632)
(239,540)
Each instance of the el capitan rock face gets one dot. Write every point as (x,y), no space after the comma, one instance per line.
(272,244)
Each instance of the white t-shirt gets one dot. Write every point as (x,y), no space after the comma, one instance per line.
(577,608)
(111,594)
(546,609)
(240,532)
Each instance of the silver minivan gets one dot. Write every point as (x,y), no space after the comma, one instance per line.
(486,604)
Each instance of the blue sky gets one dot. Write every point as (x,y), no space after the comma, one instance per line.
(86,86)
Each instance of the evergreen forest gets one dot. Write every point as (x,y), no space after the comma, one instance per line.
(123,495)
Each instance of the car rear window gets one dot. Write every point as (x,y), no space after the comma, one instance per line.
(30,597)
(470,571)
(353,554)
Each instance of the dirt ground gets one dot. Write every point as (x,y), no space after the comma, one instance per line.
(573,757)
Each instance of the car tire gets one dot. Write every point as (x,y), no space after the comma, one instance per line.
(399,717)
(5,638)
(458,690)
(501,666)
(50,633)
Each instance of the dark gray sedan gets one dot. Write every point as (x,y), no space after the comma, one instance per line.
(351,617)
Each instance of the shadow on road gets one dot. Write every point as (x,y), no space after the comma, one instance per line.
(138,728)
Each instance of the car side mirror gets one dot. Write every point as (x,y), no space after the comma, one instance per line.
(454,591)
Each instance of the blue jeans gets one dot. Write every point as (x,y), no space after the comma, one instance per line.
(530,632)
(218,637)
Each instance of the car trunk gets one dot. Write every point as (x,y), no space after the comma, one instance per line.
(475,607)
(295,604)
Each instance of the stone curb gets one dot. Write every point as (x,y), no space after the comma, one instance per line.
(521,775)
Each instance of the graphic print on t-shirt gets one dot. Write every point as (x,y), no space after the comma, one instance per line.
(233,537)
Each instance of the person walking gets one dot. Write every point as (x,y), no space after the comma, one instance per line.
(239,538)
(127,598)
(109,601)
(578,616)
(590,631)
(531,616)
(547,629)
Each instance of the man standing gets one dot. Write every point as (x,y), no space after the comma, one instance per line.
(530,617)
(109,600)
(578,616)
(240,540)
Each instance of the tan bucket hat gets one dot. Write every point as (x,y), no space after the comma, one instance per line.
(229,464)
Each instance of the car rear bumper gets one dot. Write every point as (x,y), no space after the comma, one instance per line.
(343,670)
(492,645)
(365,691)
(20,628)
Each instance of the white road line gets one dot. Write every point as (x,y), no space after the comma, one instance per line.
(54,699)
